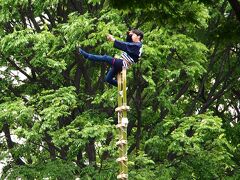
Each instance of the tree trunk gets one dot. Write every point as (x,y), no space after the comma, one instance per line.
(91,151)
(51,147)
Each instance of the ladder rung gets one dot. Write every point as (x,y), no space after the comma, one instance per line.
(122,176)
(121,125)
(124,120)
(120,142)
(121,159)
(121,108)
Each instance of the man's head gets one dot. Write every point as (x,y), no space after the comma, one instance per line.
(134,35)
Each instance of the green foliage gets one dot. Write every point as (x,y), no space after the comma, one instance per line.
(108,98)
(51,170)
(186,13)
(189,57)
(91,128)
(195,146)
(54,105)
(142,167)
(15,113)
(57,117)
(8,13)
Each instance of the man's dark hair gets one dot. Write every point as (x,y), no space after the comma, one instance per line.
(138,32)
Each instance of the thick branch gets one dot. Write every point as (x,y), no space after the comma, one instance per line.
(10,144)
(216,96)
(19,69)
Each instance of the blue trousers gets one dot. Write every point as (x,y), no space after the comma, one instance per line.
(115,63)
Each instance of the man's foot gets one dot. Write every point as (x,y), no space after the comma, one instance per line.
(84,53)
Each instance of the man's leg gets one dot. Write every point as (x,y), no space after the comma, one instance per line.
(97,58)
(110,75)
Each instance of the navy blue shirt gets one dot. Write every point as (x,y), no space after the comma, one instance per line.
(133,49)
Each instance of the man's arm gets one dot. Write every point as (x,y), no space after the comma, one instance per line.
(128,47)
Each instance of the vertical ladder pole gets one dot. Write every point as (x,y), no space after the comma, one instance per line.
(119,80)
(124,117)
(122,124)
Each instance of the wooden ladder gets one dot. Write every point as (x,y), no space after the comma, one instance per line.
(122,124)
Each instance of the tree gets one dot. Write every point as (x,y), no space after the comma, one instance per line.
(59,113)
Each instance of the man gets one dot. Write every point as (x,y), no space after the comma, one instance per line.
(132,50)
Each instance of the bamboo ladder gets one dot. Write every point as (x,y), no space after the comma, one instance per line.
(122,124)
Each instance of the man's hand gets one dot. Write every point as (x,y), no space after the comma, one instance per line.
(110,37)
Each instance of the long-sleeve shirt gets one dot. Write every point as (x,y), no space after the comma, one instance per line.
(132,50)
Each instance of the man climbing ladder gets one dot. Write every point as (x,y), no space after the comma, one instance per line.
(132,51)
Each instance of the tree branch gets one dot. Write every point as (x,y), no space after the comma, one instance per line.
(236,7)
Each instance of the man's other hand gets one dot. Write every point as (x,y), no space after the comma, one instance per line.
(110,37)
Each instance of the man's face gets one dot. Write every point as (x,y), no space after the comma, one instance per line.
(135,37)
